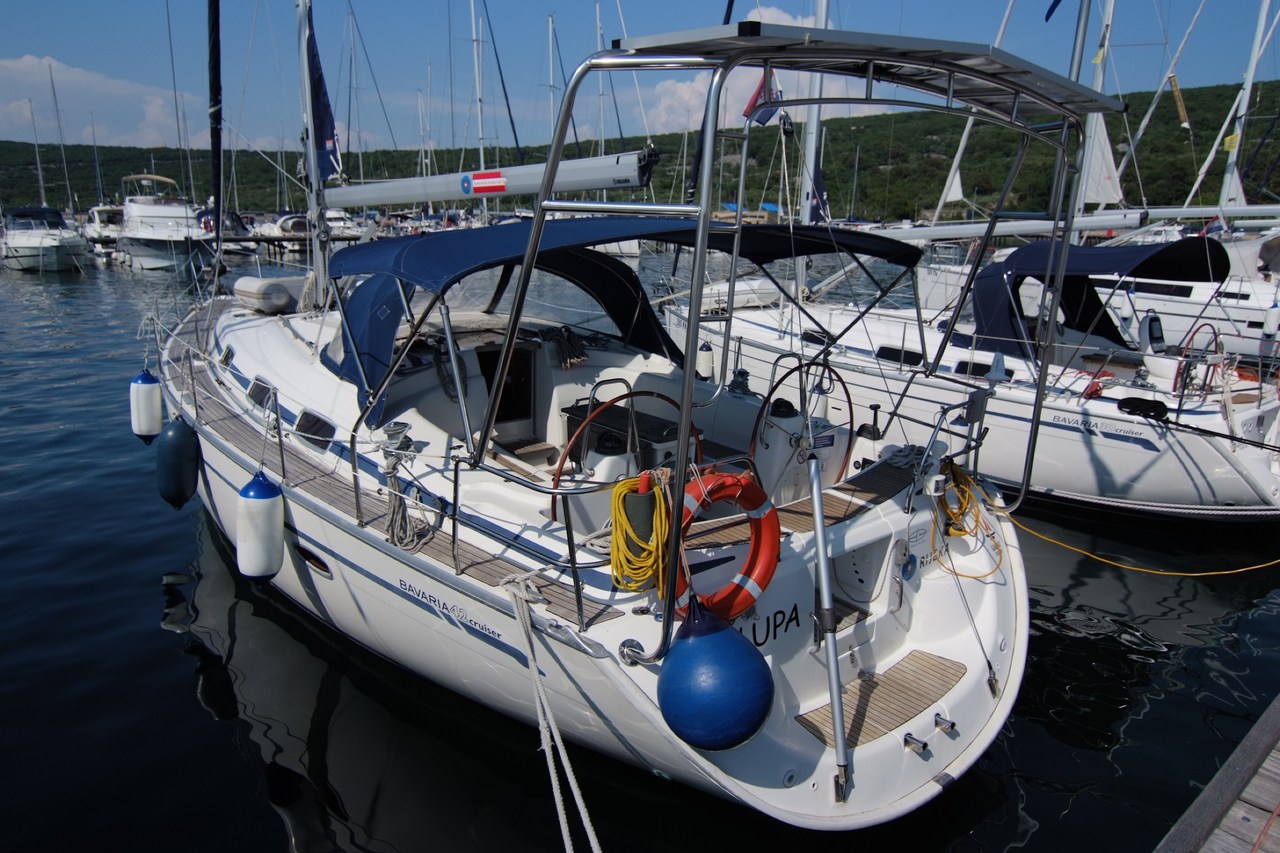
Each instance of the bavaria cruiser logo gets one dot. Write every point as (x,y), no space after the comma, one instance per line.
(458,614)
(484,182)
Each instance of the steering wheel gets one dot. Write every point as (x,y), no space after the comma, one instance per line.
(595,413)
(768,398)
(1215,347)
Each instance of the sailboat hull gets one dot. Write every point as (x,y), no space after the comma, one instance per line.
(923,642)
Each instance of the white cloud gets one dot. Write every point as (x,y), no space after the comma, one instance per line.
(774,15)
(90,104)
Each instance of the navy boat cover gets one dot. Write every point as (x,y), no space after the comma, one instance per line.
(998,322)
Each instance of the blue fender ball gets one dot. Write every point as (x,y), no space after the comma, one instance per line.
(177,462)
(715,688)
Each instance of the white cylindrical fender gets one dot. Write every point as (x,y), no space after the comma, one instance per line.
(260,528)
(145,410)
(705,364)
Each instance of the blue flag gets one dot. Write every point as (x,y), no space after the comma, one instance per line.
(323,127)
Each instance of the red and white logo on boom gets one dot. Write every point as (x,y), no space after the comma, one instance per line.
(484,182)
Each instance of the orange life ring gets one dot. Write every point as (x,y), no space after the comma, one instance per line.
(741,490)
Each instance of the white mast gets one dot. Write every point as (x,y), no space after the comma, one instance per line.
(355,88)
(600,81)
(97,168)
(36,139)
(1232,189)
(1095,129)
(812,120)
(604,194)
(551,65)
(1155,99)
(62,147)
(422,134)
(423,168)
(475,61)
(1231,177)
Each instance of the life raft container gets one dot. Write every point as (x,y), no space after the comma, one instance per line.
(741,490)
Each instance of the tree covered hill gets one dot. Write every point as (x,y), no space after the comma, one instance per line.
(881,167)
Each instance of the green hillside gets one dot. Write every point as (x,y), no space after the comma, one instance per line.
(902,162)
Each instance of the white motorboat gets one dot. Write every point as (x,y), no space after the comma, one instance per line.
(478,453)
(161,229)
(1127,419)
(342,225)
(102,229)
(39,239)
(290,233)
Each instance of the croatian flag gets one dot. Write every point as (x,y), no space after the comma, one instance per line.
(764,96)
(1212,227)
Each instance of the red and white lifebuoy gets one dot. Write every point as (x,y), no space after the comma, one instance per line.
(741,490)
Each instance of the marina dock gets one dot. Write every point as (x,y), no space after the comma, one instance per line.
(1237,810)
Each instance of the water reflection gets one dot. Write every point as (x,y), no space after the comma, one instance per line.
(355,755)
(1137,688)
(1138,685)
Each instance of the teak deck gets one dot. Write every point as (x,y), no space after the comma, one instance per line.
(877,703)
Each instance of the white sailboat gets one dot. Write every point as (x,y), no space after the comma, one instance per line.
(429,456)
(1238,311)
(1243,311)
(1127,420)
(1079,376)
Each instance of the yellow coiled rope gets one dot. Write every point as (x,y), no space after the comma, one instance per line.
(638,564)
(967,484)
(964,518)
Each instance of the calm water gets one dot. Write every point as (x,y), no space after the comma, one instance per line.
(151,702)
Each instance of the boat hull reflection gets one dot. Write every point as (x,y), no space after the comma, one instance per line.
(356,754)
